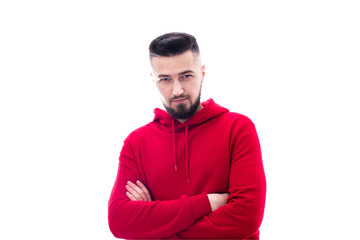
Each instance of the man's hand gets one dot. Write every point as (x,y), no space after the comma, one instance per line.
(137,192)
(217,200)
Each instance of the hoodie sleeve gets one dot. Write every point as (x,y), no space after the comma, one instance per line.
(143,219)
(241,217)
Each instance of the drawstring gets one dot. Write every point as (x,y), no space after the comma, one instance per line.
(187,153)
(186,150)
(174,146)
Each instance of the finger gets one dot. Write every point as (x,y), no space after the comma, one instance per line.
(138,190)
(144,189)
(147,193)
(134,192)
(130,196)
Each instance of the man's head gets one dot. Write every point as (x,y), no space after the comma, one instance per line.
(177,73)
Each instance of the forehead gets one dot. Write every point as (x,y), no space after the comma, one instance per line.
(174,64)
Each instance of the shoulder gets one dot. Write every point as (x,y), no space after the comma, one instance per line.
(241,129)
(237,125)
(237,119)
(141,131)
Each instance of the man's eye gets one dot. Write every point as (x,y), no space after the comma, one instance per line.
(187,76)
(164,79)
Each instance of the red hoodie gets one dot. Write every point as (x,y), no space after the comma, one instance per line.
(215,151)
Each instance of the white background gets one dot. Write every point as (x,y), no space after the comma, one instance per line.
(75,82)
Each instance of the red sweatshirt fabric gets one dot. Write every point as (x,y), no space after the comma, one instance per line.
(215,151)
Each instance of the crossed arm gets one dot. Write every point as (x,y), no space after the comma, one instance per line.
(138,192)
(133,214)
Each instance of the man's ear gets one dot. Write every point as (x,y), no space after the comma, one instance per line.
(152,78)
(203,72)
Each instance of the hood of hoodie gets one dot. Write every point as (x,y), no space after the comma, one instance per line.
(169,124)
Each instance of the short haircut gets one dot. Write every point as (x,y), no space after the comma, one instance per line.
(172,44)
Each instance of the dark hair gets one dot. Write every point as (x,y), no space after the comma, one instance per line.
(172,44)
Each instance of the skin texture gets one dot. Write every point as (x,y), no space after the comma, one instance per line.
(178,77)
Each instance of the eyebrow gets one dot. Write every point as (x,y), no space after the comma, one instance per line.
(182,73)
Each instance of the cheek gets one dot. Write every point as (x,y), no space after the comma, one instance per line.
(195,88)
(164,92)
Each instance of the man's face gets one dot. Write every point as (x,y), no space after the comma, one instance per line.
(179,79)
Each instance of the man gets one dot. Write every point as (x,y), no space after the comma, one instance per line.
(196,170)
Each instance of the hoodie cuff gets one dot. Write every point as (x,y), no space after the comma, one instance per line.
(200,205)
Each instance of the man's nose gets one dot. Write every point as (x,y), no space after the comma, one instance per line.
(177,88)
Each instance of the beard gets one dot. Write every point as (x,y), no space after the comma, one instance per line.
(181,111)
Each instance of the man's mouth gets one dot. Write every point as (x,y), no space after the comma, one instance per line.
(179,100)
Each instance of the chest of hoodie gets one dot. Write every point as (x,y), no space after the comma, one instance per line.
(199,161)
